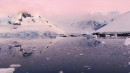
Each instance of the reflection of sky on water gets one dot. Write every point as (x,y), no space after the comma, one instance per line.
(67,55)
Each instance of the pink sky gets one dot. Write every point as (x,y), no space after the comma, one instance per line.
(62,7)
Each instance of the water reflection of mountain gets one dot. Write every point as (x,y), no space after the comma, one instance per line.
(69,55)
(25,48)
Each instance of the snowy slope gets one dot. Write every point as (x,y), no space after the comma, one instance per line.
(120,24)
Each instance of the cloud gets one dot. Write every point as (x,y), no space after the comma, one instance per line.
(62,7)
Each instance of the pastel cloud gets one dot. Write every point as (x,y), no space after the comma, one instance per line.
(50,7)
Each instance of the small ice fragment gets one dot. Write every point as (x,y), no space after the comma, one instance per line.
(103,42)
(124,53)
(86,66)
(68,53)
(89,68)
(48,58)
(81,54)
(15,65)
(34,49)
(127,42)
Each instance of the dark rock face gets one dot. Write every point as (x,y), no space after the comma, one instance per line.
(27,54)
(20,20)
(33,20)
(9,22)
(16,23)
(25,14)
(96,25)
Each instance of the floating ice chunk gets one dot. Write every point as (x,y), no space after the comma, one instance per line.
(127,42)
(7,70)
(15,65)
(88,67)
(61,72)
(128,63)
(34,49)
(103,42)
(81,54)
(48,58)
(125,53)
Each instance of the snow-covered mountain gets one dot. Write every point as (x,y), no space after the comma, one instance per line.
(120,25)
(85,23)
(24,21)
(25,25)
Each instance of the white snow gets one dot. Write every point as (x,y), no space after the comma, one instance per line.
(120,24)
(127,42)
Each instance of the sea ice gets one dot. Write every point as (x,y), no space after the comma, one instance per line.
(15,65)
(7,70)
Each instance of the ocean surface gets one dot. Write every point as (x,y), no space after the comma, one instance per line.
(65,55)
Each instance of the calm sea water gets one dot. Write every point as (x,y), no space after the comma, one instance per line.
(65,55)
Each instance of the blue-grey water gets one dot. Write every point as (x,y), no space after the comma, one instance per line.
(65,55)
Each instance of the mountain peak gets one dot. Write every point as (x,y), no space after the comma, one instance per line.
(25,21)
(26,17)
(24,14)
